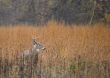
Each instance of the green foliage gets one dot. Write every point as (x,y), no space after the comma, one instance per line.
(6,3)
(107,17)
(52,3)
(73,67)
(77,65)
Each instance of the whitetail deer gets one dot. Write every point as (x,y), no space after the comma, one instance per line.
(29,58)
(36,49)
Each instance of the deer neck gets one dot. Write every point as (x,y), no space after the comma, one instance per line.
(34,52)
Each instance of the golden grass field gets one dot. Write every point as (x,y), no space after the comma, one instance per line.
(82,49)
(90,42)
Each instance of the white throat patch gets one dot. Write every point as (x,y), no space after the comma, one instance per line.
(37,50)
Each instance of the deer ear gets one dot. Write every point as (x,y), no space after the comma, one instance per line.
(34,41)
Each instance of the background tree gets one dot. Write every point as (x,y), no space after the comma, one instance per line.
(102,11)
(41,11)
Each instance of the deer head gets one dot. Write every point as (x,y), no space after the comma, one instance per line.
(38,47)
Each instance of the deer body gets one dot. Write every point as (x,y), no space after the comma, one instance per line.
(29,59)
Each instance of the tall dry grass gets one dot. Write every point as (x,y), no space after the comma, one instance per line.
(68,41)
(63,43)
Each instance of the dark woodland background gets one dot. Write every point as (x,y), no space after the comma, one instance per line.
(41,11)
